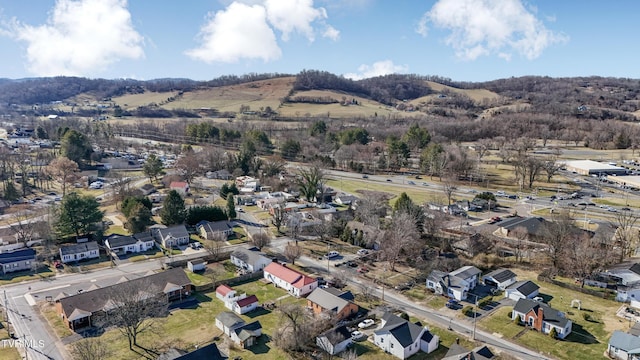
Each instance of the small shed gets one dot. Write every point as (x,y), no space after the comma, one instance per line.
(196,265)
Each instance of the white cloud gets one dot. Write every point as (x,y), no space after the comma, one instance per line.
(484,27)
(331,33)
(378,68)
(239,31)
(81,37)
(246,29)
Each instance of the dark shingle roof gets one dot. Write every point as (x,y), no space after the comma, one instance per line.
(120,241)
(549,314)
(246,331)
(501,275)
(533,225)
(344,294)
(526,288)
(457,352)
(216,226)
(95,300)
(342,334)
(209,352)
(405,332)
(229,319)
(143,236)
(248,256)
(327,300)
(18,255)
(177,231)
(78,248)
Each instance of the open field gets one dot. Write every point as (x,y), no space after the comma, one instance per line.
(590,334)
(9,353)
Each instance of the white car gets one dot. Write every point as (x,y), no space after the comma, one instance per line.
(365,323)
(357,335)
(362,252)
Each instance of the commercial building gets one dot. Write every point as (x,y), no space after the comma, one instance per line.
(589,167)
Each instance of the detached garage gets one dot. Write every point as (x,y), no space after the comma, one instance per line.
(522,290)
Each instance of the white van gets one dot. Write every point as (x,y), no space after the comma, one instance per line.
(331,255)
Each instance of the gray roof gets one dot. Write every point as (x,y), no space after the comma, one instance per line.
(177,231)
(404,331)
(549,314)
(327,300)
(344,294)
(143,236)
(500,275)
(457,352)
(342,334)
(635,329)
(229,319)
(246,331)
(248,256)
(466,272)
(120,241)
(18,255)
(526,287)
(533,225)
(208,352)
(98,299)
(78,248)
(216,226)
(626,342)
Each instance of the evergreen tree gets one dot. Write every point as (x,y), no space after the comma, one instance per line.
(153,167)
(231,208)
(77,215)
(139,218)
(173,210)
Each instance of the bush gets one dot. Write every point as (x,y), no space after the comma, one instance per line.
(468,310)
(553,333)
(405,316)
(510,314)
(516,320)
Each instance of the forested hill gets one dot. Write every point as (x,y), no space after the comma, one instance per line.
(591,97)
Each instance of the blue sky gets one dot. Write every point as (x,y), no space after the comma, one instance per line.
(465,40)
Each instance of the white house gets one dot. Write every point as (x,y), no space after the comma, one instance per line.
(214,230)
(624,346)
(295,283)
(455,284)
(402,338)
(522,290)
(500,278)
(240,304)
(334,341)
(541,317)
(239,332)
(196,265)
(251,260)
(180,187)
(130,244)
(80,251)
(171,236)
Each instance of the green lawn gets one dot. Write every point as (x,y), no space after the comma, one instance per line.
(116,229)
(12,278)
(437,302)
(149,254)
(196,325)
(588,339)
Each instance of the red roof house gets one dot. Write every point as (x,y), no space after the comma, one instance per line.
(224,292)
(296,283)
(180,186)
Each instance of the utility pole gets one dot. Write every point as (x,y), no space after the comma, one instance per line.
(475,308)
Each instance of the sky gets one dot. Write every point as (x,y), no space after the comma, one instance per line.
(464,40)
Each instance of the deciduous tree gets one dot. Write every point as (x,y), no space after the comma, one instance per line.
(292,252)
(153,168)
(64,170)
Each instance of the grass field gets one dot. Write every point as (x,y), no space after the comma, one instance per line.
(9,353)
(12,278)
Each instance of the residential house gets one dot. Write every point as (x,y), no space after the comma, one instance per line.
(499,278)
(250,260)
(147,189)
(522,290)
(402,338)
(196,265)
(343,294)
(297,284)
(323,301)
(180,187)
(130,244)
(455,284)
(458,352)
(80,251)
(18,260)
(207,352)
(241,333)
(240,304)
(79,310)
(541,317)
(532,227)
(334,341)
(8,235)
(215,230)
(223,174)
(344,199)
(172,236)
(624,346)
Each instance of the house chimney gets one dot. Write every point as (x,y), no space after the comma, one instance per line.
(538,321)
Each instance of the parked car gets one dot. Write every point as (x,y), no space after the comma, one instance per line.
(196,245)
(389,180)
(411,183)
(452,304)
(331,255)
(362,252)
(365,323)
(363,269)
(351,263)
(365,176)
(357,335)
(321,281)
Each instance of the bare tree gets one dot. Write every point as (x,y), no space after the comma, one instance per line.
(626,234)
(188,166)
(24,226)
(90,349)
(278,215)
(551,167)
(585,256)
(520,236)
(557,234)
(260,240)
(399,237)
(298,327)
(214,247)
(292,252)
(448,187)
(366,290)
(134,305)
(63,170)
